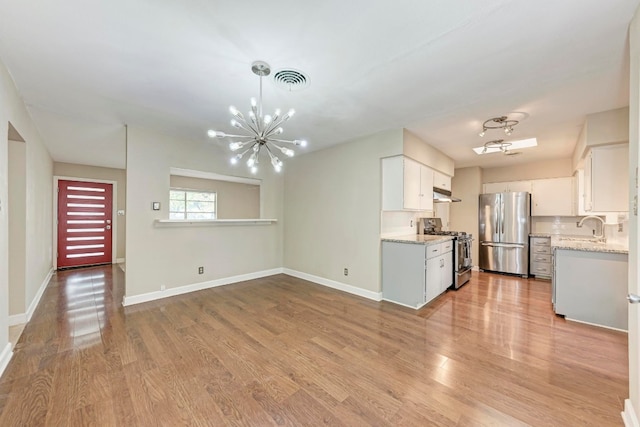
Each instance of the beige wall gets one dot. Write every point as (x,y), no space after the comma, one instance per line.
(72,170)
(234,200)
(39,196)
(634,230)
(332,210)
(422,152)
(17,226)
(467,185)
(534,170)
(170,255)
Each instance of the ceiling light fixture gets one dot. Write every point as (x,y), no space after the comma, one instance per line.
(501,122)
(500,145)
(261,130)
(496,145)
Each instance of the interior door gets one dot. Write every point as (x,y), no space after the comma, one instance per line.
(84,223)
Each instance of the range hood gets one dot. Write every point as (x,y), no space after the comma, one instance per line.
(440,195)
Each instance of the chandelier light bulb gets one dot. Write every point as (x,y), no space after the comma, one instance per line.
(289,114)
(277,112)
(254,103)
(216,134)
(277,164)
(235,123)
(252,160)
(235,146)
(233,110)
(254,170)
(278,131)
(300,142)
(234,160)
(267,119)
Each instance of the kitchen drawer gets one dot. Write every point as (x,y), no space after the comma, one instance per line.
(540,241)
(540,258)
(434,250)
(541,250)
(447,246)
(540,269)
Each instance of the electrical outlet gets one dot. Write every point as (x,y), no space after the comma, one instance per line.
(163,287)
(200,270)
(346,271)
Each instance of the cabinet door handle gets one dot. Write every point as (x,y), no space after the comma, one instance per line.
(633,298)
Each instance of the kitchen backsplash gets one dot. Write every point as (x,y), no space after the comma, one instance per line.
(568,225)
(400,223)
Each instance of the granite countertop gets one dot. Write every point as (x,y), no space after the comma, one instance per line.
(586,245)
(418,239)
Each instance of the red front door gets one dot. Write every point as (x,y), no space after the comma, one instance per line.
(84,223)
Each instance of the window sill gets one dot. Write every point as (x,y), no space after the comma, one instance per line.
(211,222)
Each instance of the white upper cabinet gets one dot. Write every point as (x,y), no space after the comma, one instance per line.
(606,173)
(441,180)
(406,185)
(552,197)
(507,187)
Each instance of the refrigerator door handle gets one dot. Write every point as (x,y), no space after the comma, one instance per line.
(502,219)
(503,245)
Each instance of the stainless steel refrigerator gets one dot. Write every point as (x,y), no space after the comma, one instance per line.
(505,223)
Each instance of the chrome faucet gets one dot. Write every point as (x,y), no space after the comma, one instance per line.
(598,236)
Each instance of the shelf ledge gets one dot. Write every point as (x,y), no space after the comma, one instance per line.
(211,222)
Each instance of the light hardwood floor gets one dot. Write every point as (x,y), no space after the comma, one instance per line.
(283,351)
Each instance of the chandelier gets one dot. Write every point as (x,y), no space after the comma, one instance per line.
(260,130)
(501,122)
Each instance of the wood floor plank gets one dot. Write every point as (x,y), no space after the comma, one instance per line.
(283,351)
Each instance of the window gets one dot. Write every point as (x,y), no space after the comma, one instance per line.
(189,204)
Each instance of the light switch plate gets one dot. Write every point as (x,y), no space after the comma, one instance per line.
(156,206)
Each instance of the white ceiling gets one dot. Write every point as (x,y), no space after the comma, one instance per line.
(439,68)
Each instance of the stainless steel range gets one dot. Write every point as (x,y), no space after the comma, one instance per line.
(462,249)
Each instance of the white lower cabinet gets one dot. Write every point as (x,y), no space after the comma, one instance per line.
(414,274)
(439,268)
(591,287)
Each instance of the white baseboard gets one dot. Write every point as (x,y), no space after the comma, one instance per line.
(5,357)
(376,296)
(36,299)
(17,319)
(595,324)
(22,318)
(152,296)
(629,416)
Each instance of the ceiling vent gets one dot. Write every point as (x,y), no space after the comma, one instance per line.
(290,79)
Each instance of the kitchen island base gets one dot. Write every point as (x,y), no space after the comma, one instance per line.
(591,287)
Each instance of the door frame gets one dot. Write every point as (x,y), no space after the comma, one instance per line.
(114,230)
